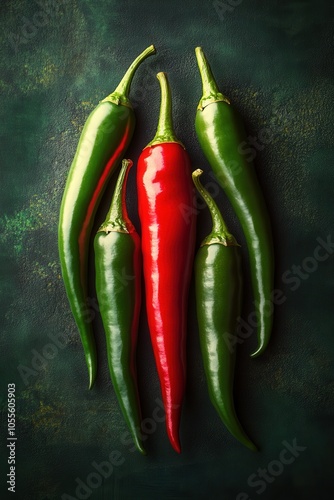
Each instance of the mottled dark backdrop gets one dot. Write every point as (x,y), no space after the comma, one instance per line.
(274,60)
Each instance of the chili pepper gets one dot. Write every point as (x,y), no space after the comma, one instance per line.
(118,288)
(168,237)
(218,283)
(221,135)
(103,141)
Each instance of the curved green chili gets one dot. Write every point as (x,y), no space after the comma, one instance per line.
(221,135)
(118,288)
(218,282)
(103,141)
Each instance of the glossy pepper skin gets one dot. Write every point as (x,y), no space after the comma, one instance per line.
(220,134)
(118,288)
(218,283)
(164,186)
(103,141)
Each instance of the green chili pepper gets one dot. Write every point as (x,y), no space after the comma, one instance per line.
(221,135)
(218,282)
(118,288)
(105,137)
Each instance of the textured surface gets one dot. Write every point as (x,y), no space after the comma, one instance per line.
(274,61)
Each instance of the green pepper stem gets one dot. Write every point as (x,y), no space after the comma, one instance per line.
(211,92)
(165,131)
(117,217)
(121,93)
(219,233)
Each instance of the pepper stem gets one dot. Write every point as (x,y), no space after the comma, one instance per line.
(121,93)
(165,131)
(219,233)
(117,217)
(210,88)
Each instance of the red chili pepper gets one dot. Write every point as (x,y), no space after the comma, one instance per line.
(168,237)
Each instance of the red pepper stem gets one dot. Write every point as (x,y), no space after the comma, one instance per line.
(117,217)
(121,93)
(219,233)
(210,89)
(165,131)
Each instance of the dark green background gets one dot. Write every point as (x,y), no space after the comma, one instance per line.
(274,60)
